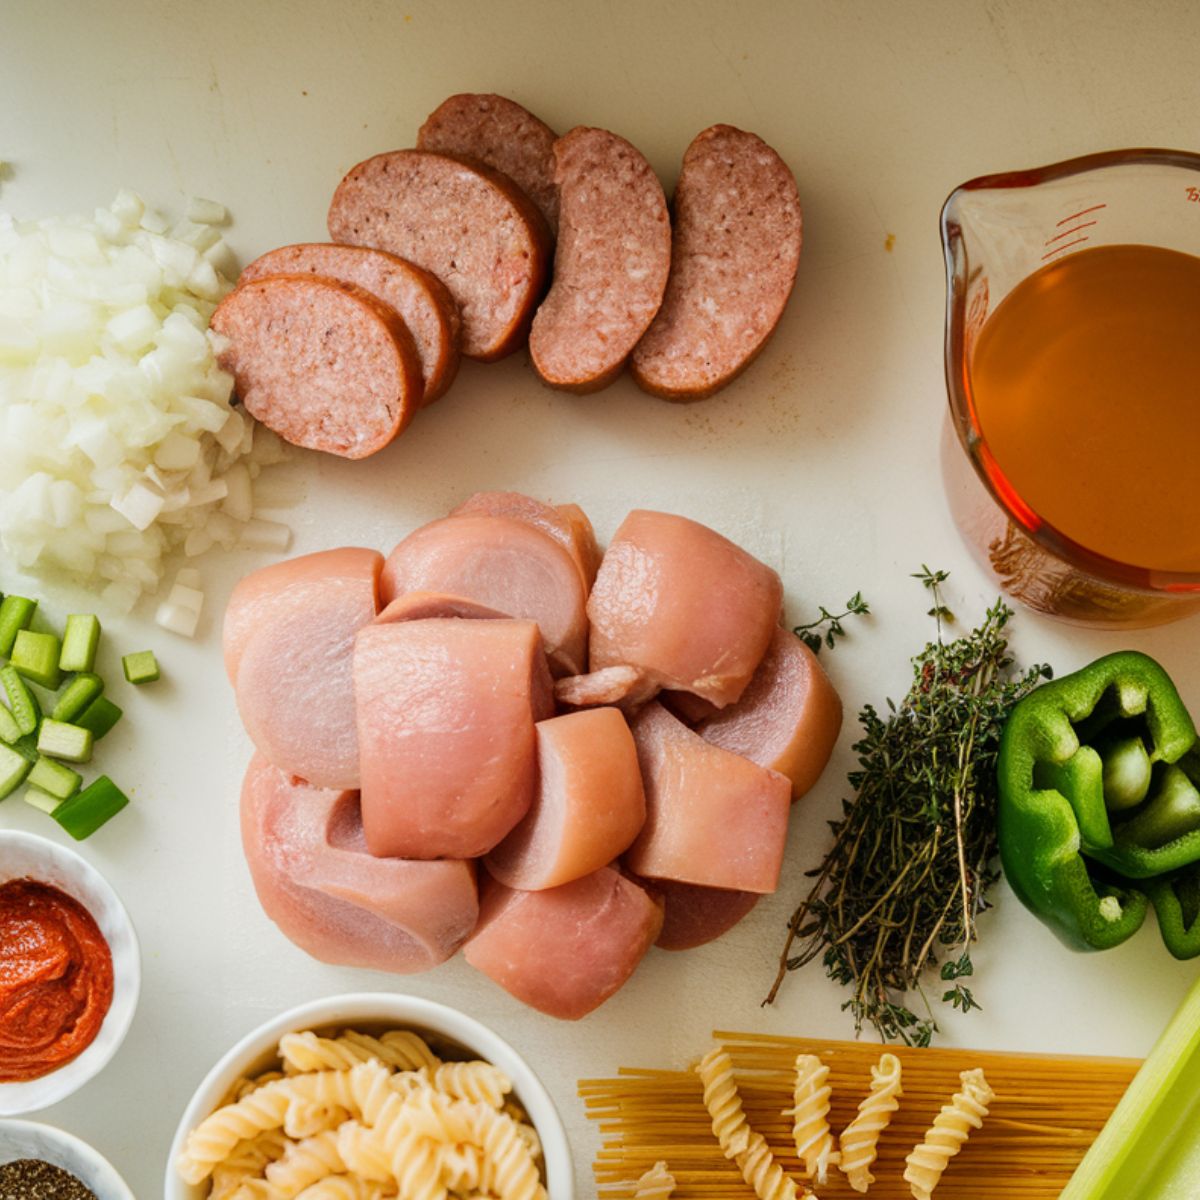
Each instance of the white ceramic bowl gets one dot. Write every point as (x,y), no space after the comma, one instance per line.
(257,1051)
(27,1139)
(27,855)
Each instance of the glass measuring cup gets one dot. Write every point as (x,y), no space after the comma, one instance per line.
(996,231)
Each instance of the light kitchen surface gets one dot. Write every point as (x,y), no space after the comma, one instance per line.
(822,459)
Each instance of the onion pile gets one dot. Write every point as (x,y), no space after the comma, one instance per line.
(118,440)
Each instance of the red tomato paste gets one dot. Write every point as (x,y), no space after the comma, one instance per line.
(56,979)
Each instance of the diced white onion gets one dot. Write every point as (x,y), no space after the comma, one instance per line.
(118,442)
(177,619)
(265,535)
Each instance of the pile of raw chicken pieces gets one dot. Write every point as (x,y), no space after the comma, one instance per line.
(500,741)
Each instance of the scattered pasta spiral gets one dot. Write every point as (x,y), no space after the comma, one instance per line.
(656,1184)
(723,1102)
(810,1116)
(763,1173)
(951,1128)
(860,1139)
(357,1117)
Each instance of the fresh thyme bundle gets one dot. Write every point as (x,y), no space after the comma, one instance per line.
(915,849)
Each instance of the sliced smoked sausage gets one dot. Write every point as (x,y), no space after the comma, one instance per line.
(611,263)
(469,225)
(421,299)
(501,133)
(325,365)
(735,249)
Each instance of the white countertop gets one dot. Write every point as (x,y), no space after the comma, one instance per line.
(822,459)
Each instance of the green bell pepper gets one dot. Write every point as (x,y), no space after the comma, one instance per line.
(1099,805)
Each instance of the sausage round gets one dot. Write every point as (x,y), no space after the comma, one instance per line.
(421,299)
(325,365)
(611,263)
(469,225)
(499,132)
(735,250)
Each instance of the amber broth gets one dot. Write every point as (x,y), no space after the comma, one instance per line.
(1085,383)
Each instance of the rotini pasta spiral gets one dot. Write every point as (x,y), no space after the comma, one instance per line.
(304,1163)
(860,1139)
(345,1187)
(763,1173)
(950,1130)
(399,1048)
(479,1082)
(810,1117)
(655,1184)
(516,1174)
(723,1101)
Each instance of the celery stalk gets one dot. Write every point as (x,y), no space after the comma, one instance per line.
(1150,1147)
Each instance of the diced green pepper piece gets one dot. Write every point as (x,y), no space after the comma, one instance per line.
(42,801)
(141,667)
(99,716)
(77,695)
(25,709)
(15,614)
(80,639)
(13,768)
(54,777)
(86,811)
(35,655)
(58,739)
(9,730)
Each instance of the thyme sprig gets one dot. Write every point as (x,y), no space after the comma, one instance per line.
(811,634)
(914,853)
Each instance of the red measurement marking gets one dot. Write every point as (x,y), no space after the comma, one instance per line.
(1083,212)
(1194,194)
(1067,232)
(1064,246)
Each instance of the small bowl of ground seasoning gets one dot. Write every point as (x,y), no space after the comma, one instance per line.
(39,1162)
(70,973)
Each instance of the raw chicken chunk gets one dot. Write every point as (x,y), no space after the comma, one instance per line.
(446,710)
(505,564)
(316,881)
(712,817)
(288,640)
(684,604)
(567,524)
(588,807)
(788,718)
(566,950)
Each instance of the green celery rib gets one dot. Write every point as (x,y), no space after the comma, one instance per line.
(1150,1148)
(80,639)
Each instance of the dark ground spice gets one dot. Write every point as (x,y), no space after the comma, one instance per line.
(33,1179)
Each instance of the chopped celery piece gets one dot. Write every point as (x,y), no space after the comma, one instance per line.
(86,811)
(35,655)
(13,768)
(77,695)
(58,739)
(42,801)
(99,716)
(26,747)
(53,777)
(15,614)
(141,667)
(80,639)
(9,730)
(25,709)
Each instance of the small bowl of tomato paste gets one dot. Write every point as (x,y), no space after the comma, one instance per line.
(70,972)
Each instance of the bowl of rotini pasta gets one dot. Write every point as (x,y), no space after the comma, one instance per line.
(366,1097)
